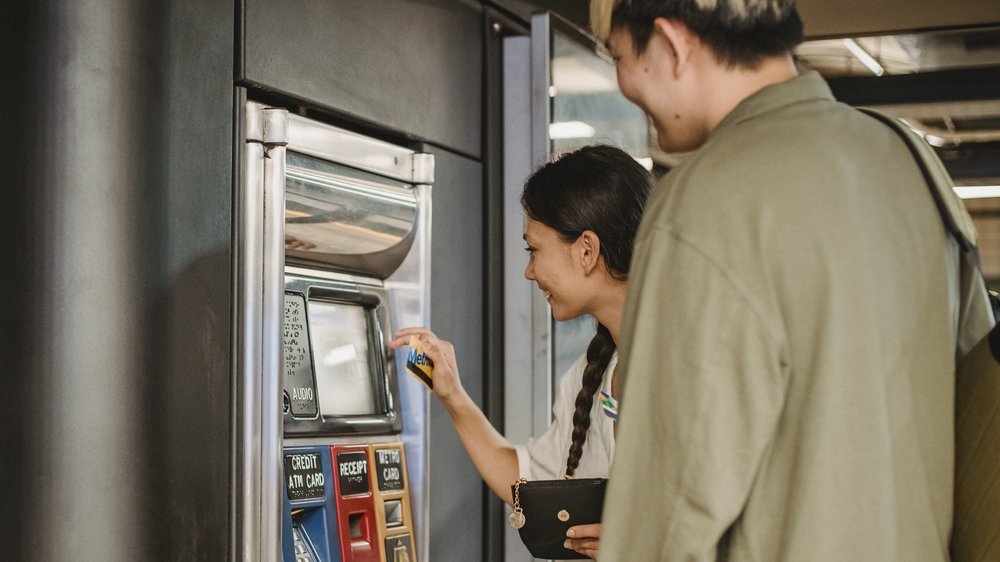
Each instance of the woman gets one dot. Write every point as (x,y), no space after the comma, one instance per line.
(582,212)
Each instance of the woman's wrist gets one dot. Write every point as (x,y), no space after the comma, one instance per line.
(458,403)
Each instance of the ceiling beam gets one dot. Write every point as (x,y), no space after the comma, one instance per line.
(851,18)
(967,84)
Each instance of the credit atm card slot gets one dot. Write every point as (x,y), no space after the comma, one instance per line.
(393,513)
(304,551)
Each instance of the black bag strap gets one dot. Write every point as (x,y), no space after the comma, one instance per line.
(950,207)
(956,220)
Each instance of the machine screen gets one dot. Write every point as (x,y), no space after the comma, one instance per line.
(339,334)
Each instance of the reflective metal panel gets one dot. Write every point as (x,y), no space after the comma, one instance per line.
(345,219)
(332,143)
(257,447)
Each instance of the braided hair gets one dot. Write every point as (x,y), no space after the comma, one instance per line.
(601,189)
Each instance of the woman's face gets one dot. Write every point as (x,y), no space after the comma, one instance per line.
(554,267)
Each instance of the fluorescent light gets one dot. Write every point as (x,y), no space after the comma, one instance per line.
(977,191)
(570,130)
(863,56)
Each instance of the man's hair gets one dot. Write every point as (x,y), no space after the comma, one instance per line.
(738,32)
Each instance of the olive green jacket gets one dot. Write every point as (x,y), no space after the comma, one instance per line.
(788,348)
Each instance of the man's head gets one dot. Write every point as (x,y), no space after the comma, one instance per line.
(739,33)
(687,63)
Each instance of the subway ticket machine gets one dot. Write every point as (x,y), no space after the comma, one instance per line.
(356,255)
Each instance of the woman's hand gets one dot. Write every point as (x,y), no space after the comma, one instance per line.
(584,539)
(447,384)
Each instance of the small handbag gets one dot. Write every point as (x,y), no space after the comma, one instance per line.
(545,509)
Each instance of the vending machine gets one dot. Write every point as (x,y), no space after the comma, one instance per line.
(353,242)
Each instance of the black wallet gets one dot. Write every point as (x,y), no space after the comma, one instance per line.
(545,509)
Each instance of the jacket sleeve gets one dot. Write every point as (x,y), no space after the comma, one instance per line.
(704,388)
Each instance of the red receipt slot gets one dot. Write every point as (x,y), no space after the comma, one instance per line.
(357,522)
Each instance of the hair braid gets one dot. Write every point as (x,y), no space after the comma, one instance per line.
(599,353)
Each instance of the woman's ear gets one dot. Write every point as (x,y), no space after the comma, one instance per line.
(589,250)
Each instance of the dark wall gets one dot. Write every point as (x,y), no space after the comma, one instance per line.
(411,66)
(457,293)
(116,218)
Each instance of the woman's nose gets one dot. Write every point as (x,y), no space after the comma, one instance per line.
(529,272)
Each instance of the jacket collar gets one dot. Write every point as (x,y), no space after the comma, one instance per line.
(806,87)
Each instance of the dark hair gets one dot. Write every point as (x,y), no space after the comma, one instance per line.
(602,189)
(739,33)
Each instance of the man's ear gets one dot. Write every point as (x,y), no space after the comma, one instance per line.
(678,40)
(589,250)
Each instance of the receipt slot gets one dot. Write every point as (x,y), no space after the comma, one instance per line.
(392,503)
(355,504)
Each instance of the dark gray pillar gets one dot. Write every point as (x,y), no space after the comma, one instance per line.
(116,236)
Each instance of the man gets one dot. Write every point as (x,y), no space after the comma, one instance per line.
(789,337)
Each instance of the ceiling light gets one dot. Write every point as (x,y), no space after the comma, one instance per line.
(977,191)
(862,55)
(570,130)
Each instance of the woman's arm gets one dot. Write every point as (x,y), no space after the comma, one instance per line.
(493,456)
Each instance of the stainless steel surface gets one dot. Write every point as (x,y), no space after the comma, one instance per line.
(423,168)
(338,218)
(260,282)
(254,123)
(250,279)
(338,145)
(275,130)
(275,127)
(353,216)
(291,271)
(418,399)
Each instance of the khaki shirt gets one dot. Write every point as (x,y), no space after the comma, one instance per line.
(788,348)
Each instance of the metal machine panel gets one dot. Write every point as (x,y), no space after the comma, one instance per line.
(339,218)
(340,376)
(357,263)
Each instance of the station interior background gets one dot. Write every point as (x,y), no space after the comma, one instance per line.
(122,157)
(936,66)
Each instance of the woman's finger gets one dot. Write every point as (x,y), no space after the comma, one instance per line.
(590,530)
(586,547)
